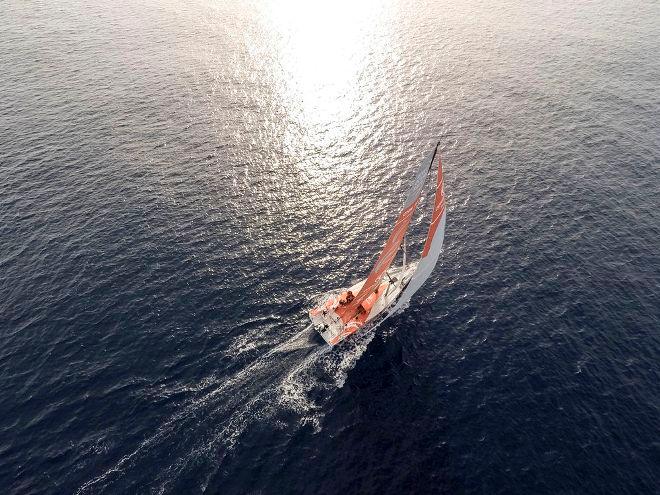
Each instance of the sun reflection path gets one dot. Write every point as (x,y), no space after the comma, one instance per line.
(324,53)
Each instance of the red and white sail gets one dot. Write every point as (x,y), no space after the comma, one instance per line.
(396,237)
(336,318)
(432,246)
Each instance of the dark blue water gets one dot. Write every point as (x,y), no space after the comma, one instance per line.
(178,179)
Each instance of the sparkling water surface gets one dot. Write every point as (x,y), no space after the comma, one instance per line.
(178,179)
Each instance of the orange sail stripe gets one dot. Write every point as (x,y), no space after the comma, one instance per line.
(438,210)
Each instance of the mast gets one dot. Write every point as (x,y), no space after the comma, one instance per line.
(404,252)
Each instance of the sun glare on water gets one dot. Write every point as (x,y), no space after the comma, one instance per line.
(324,51)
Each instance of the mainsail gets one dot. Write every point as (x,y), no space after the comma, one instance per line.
(396,237)
(432,246)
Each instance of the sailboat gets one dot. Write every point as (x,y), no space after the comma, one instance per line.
(386,290)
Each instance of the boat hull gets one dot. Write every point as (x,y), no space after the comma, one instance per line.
(334,330)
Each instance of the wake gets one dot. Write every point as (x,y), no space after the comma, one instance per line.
(208,427)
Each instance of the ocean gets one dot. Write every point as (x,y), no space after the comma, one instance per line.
(178,180)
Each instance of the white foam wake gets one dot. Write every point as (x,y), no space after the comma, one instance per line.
(297,375)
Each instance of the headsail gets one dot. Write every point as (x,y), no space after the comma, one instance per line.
(394,242)
(432,246)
